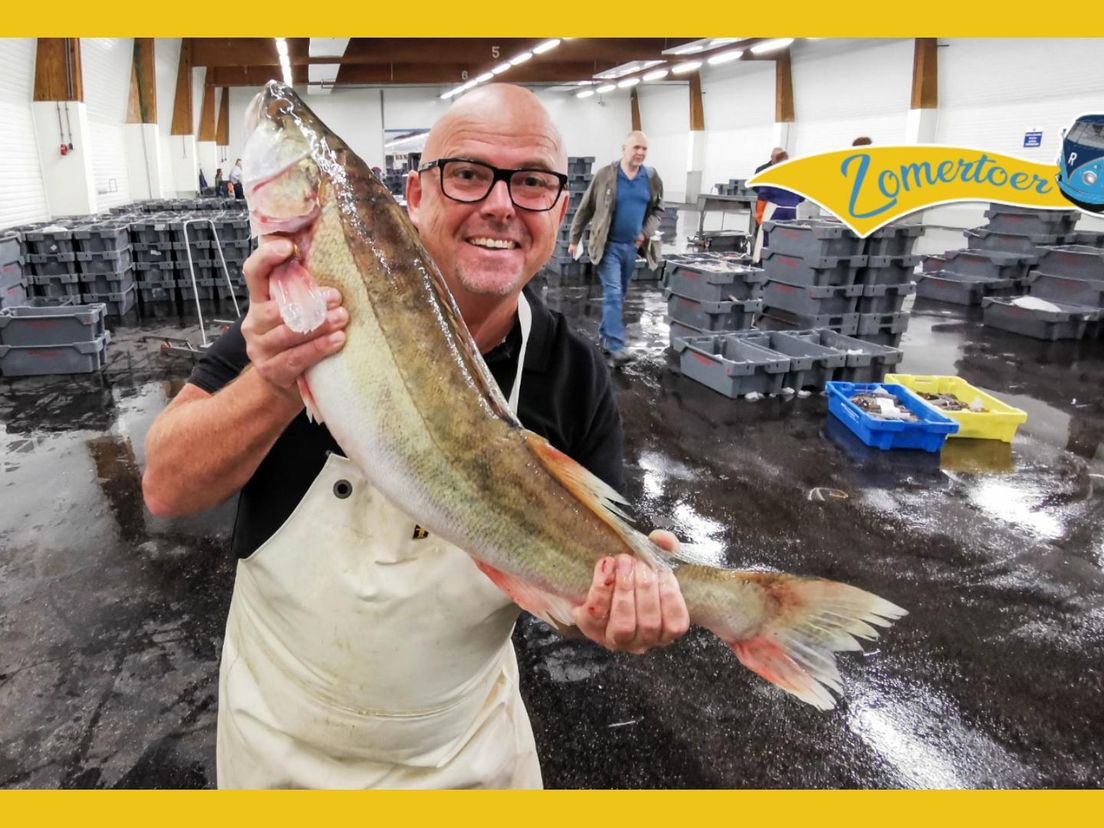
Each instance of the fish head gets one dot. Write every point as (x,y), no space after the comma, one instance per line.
(281,176)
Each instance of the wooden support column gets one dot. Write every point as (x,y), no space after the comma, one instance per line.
(697,111)
(925,74)
(143,83)
(58,70)
(783,89)
(182,104)
(207,114)
(222,137)
(634,101)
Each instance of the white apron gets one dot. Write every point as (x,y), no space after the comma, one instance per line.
(360,655)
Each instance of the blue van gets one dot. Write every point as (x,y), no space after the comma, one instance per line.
(1081,167)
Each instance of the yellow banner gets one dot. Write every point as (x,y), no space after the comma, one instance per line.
(868,187)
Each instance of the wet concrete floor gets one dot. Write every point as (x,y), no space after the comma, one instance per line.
(111,619)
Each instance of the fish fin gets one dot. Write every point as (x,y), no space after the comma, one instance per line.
(599,496)
(313,414)
(807,621)
(551,608)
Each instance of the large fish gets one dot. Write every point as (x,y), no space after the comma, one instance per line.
(412,404)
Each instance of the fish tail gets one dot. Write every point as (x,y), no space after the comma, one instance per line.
(785,628)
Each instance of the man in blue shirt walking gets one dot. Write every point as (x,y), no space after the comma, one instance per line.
(623,204)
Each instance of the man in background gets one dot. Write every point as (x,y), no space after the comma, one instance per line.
(623,205)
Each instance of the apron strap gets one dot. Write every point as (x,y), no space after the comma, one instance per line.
(525,317)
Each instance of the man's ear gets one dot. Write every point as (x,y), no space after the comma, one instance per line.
(413,195)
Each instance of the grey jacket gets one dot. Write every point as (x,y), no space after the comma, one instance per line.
(597,209)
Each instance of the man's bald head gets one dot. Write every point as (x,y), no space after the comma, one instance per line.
(500,109)
(634,151)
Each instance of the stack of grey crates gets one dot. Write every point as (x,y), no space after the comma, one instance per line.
(821,275)
(562,269)
(774,362)
(67,339)
(13,284)
(998,256)
(668,224)
(733,187)
(710,293)
(1070,279)
(80,261)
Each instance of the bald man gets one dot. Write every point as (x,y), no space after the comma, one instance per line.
(420,688)
(623,205)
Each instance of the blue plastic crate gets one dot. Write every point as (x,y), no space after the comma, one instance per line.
(928,434)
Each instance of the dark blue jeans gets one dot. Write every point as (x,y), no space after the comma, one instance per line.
(614,272)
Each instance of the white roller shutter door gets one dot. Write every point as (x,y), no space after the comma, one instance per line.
(22,193)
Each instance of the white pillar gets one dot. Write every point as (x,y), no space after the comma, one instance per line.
(695,165)
(70,186)
(782,133)
(207,154)
(185,165)
(143,156)
(920,126)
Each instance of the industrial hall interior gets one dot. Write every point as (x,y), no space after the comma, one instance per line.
(464,412)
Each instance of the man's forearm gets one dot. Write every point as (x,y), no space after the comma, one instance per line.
(203,448)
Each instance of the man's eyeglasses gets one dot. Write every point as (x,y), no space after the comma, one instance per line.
(471,181)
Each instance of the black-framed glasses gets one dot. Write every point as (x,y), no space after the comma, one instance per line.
(471,181)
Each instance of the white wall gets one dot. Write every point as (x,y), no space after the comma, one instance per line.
(106,66)
(166,62)
(22,196)
(738,103)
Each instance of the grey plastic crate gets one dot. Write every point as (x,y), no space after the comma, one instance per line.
(893,240)
(108,261)
(991,264)
(13,293)
(51,264)
(776,319)
(62,325)
(715,281)
(1076,260)
(731,366)
(816,271)
(48,242)
(1088,238)
(101,238)
(933,263)
(811,364)
(884,298)
(811,239)
(10,247)
(876,323)
(712,316)
(118,304)
(887,270)
(56,285)
(865,361)
(11,273)
(39,360)
(1066,290)
(107,282)
(809,300)
(205,288)
(962,288)
(981,238)
(1067,322)
(1030,222)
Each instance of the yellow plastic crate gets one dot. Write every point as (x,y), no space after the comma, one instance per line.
(999,421)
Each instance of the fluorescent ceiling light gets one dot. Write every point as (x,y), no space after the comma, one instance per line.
(687,48)
(502,67)
(656,74)
(627,82)
(547,46)
(604,88)
(524,56)
(281,47)
(771,45)
(586,93)
(486,76)
(629,68)
(725,57)
(686,68)
(723,41)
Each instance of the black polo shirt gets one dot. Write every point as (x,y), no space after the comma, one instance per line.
(566,397)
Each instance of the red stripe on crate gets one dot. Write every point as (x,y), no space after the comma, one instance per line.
(786,288)
(45,353)
(702,359)
(793,234)
(786,260)
(686,301)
